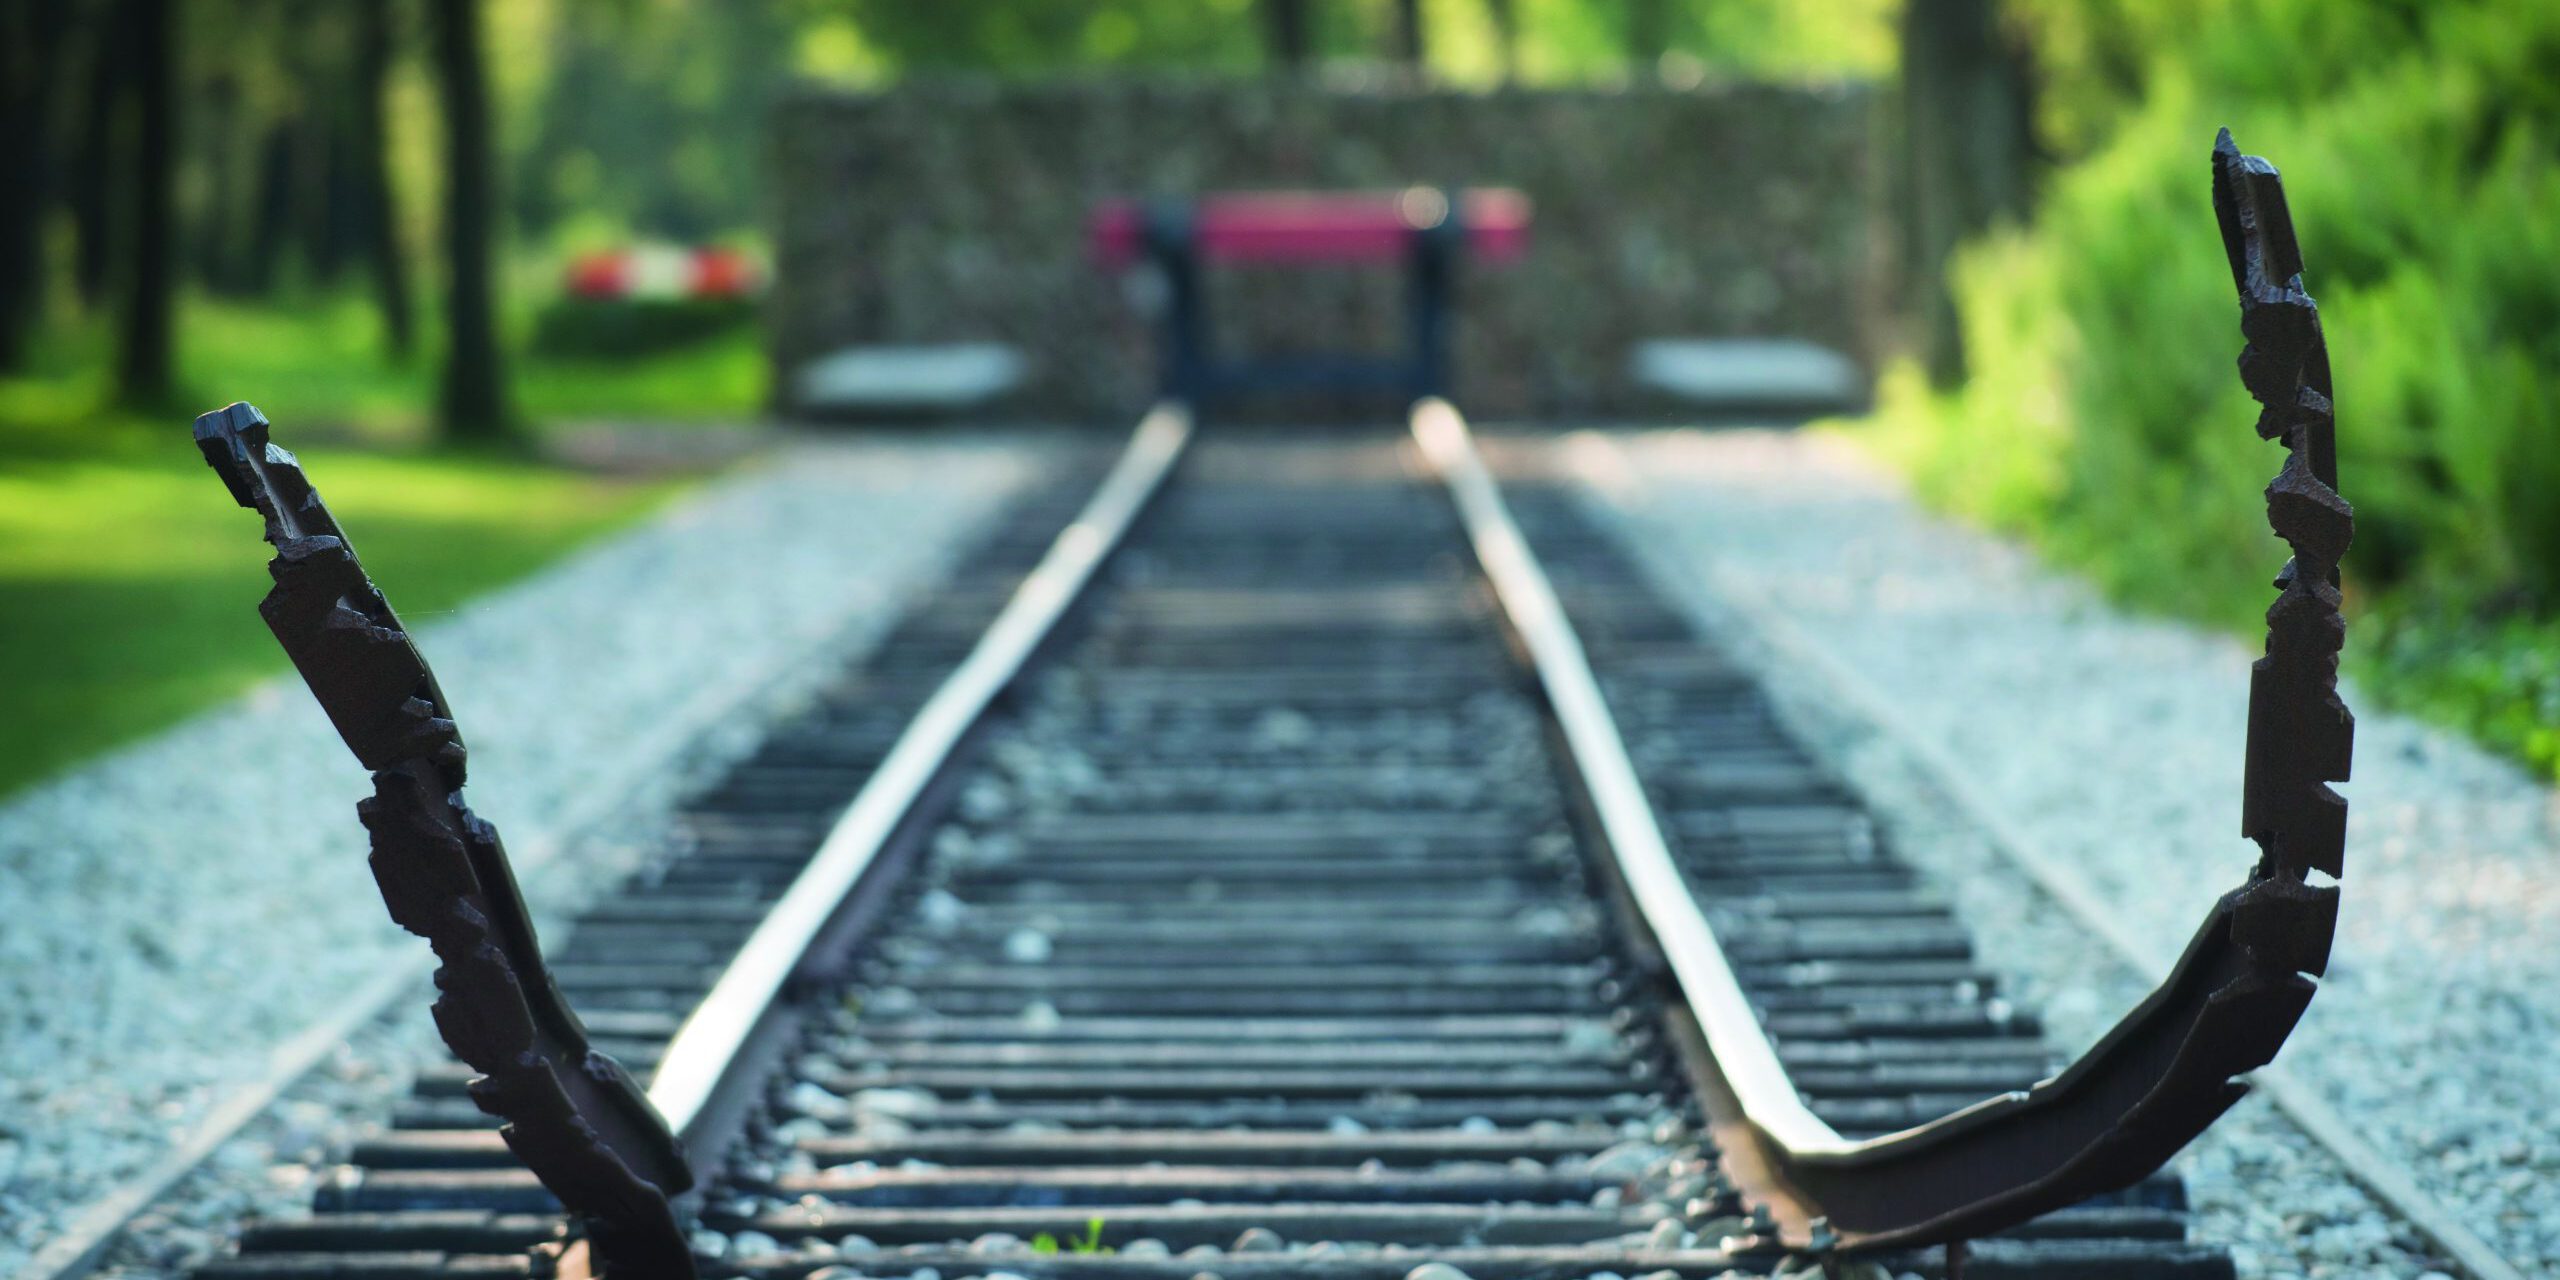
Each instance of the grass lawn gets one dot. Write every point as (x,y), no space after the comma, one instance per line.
(318,368)
(129,580)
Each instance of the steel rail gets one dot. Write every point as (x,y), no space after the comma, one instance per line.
(2179,1059)
(1661,895)
(1977,1171)
(709,1042)
(2069,887)
(1790,645)
(83,1244)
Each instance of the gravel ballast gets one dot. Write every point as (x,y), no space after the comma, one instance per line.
(181,908)
(2114,744)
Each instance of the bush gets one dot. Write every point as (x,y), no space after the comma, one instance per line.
(613,328)
(2103,416)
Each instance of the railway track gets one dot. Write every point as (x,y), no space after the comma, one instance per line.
(1286,874)
(1259,933)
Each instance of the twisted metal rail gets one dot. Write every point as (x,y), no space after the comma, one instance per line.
(2172,1065)
(573,1115)
(615,1157)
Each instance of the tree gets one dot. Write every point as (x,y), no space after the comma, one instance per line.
(1967,120)
(145,350)
(1648,34)
(1409,49)
(473,397)
(89,177)
(1506,34)
(1290,32)
(372,143)
(32,34)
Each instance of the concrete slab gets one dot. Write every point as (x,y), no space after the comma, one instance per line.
(1747,373)
(880,381)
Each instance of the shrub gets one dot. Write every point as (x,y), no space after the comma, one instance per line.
(2102,415)
(613,328)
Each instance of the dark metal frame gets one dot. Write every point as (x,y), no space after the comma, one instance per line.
(576,1120)
(572,1114)
(2171,1067)
(1189,369)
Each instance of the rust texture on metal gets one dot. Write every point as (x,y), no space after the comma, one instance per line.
(573,1115)
(2172,1065)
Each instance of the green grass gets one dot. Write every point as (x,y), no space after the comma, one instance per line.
(718,382)
(319,366)
(128,586)
(129,580)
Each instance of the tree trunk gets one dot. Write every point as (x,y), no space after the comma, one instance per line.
(144,354)
(473,404)
(89,185)
(1648,35)
(1506,35)
(31,39)
(375,207)
(1291,36)
(271,207)
(1967,121)
(317,55)
(1409,48)
(216,237)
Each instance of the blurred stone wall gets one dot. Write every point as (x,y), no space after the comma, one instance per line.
(956,211)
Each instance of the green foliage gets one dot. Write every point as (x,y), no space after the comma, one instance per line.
(648,115)
(318,364)
(643,114)
(1034,36)
(2495,678)
(1090,1242)
(870,41)
(594,329)
(2102,414)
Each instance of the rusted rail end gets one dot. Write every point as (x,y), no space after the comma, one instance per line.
(573,1116)
(2174,1063)
(2301,734)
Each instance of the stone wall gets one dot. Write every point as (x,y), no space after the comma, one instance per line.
(956,211)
